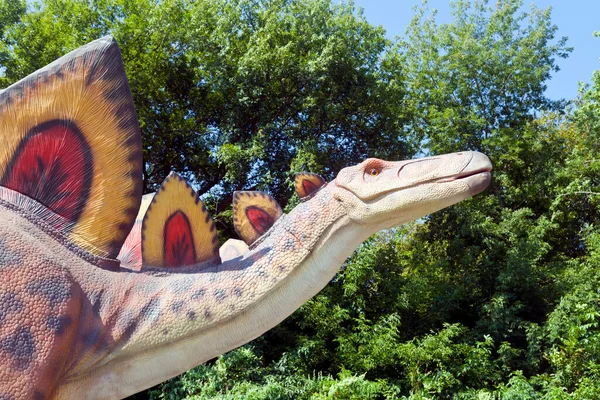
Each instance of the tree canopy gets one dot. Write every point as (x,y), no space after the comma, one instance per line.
(495,297)
(235,94)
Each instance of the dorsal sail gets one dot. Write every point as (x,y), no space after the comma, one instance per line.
(253,214)
(177,230)
(131,252)
(232,249)
(70,140)
(307,183)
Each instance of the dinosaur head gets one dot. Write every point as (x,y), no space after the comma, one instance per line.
(382,194)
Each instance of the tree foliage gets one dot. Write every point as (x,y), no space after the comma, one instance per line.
(496,297)
(237,94)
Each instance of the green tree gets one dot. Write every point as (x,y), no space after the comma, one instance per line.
(237,94)
(493,267)
(10,13)
(481,77)
(570,338)
(480,82)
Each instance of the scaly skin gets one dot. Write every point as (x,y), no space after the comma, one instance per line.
(73,330)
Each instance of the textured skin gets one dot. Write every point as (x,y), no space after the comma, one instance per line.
(76,325)
(40,307)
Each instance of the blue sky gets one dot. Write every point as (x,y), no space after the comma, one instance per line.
(576,19)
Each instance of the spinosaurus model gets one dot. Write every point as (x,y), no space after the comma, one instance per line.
(104,292)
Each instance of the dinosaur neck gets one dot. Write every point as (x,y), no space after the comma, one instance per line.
(166,323)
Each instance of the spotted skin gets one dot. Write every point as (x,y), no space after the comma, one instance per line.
(38,306)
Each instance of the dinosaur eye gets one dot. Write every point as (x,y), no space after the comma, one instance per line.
(373,171)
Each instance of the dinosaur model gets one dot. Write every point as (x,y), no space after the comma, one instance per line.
(104,293)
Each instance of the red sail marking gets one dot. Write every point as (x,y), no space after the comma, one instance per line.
(178,241)
(261,221)
(309,187)
(53,165)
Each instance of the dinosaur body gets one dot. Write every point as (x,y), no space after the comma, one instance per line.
(76,322)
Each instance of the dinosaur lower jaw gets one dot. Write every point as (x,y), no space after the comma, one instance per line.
(476,174)
(477,181)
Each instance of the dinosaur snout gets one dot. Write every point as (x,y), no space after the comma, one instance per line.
(477,173)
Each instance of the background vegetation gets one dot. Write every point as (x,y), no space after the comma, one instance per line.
(496,297)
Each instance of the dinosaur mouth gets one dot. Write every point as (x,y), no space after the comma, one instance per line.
(477,181)
(476,174)
(469,174)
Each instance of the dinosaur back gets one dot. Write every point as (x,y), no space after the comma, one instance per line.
(70,140)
